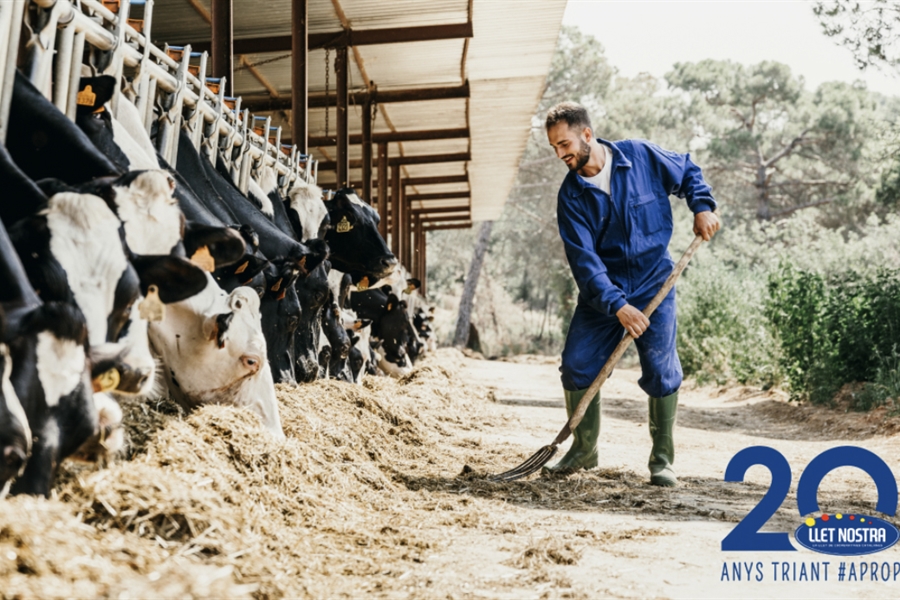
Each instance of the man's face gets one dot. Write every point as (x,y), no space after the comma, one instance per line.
(571,145)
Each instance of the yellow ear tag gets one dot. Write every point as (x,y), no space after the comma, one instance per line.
(86,97)
(151,307)
(108,381)
(409,289)
(203,259)
(344,226)
(277,285)
(357,325)
(389,306)
(363,284)
(241,268)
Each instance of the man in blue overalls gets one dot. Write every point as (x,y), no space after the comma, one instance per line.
(615,221)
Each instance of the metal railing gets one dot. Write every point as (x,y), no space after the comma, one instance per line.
(169,91)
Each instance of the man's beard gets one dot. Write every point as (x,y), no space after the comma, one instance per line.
(583,156)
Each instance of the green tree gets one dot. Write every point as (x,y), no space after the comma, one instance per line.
(777,147)
(870,30)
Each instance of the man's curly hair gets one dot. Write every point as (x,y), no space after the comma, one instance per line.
(572,113)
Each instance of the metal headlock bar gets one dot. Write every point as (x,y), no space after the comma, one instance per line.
(169,89)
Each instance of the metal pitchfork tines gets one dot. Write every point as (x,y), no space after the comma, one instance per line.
(543,456)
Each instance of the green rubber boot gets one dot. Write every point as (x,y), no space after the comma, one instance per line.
(662,420)
(583,453)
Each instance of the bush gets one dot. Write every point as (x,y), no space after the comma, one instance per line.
(723,334)
(835,329)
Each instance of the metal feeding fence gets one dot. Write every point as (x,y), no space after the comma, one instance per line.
(169,85)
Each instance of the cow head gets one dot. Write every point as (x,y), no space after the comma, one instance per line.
(280,312)
(312,293)
(51,377)
(394,331)
(215,353)
(308,213)
(356,246)
(15,434)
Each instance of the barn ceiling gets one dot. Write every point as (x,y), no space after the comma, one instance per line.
(505,63)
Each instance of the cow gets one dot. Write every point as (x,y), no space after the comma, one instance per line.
(307,212)
(215,353)
(338,340)
(355,246)
(15,433)
(47,346)
(44,143)
(313,293)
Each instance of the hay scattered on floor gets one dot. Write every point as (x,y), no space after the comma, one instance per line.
(207,505)
(547,551)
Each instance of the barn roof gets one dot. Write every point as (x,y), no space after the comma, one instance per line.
(504,63)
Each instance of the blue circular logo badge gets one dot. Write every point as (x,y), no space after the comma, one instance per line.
(846,534)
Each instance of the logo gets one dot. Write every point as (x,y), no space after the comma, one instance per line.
(839,534)
(846,535)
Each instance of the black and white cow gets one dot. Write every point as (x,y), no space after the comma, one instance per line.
(50,375)
(356,247)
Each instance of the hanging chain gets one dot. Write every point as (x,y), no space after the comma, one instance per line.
(327,73)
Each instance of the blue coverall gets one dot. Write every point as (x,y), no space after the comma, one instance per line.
(617,248)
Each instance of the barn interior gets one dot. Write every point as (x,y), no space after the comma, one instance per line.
(422,106)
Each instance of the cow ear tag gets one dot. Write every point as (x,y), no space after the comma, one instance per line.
(107,381)
(86,97)
(363,284)
(409,289)
(151,307)
(344,225)
(241,268)
(203,259)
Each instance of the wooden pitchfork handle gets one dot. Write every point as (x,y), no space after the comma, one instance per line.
(578,415)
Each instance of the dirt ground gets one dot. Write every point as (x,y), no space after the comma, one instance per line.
(636,541)
(367,498)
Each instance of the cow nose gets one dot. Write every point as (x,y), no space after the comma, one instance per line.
(13,459)
(388,262)
(251,362)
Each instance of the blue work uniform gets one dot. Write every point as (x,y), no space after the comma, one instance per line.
(617,247)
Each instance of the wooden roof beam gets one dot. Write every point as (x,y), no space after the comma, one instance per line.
(394,136)
(258,103)
(438,196)
(440,226)
(422,159)
(349,37)
(417,181)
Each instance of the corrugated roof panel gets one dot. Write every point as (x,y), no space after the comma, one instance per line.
(414,64)
(366,14)
(177,20)
(499,132)
(509,58)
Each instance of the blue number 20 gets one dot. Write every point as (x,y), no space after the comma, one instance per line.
(746,534)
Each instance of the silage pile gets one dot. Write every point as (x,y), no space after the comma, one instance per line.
(207,505)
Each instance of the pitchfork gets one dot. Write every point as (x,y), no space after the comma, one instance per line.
(543,456)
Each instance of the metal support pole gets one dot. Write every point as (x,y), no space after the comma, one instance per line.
(343,132)
(75,75)
(10,28)
(63,73)
(407,230)
(222,17)
(367,151)
(383,189)
(423,257)
(395,210)
(118,62)
(142,77)
(300,73)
